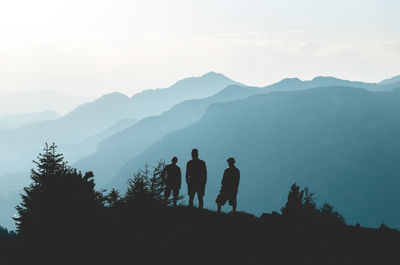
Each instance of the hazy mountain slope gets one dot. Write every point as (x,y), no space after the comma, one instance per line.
(92,118)
(155,101)
(113,152)
(10,190)
(323,81)
(18,120)
(342,142)
(78,132)
(392,80)
(133,141)
(19,146)
(38,101)
(88,146)
(12,183)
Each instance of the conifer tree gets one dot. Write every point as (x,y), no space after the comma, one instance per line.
(58,199)
(301,205)
(146,188)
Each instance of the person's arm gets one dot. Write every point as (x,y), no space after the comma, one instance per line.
(179,178)
(238,180)
(187,173)
(205,172)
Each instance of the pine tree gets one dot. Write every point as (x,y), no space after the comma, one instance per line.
(301,204)
(6,236)
(146,188)
(113,199)
(58,199)
(329,216)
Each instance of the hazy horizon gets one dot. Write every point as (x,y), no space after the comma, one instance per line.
(97,47)
(92,97)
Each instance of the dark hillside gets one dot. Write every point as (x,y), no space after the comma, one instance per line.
(191,236)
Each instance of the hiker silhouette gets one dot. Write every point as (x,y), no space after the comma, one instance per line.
(229,187)
(173,181)
(196,178)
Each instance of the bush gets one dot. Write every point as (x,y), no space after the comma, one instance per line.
(301,205)
(146,188)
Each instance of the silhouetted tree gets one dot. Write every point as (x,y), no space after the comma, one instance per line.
(294,202)
(58,199)
(113,199)
(300,204)
(146,188)
(139,188)
(6,236)
(329,216)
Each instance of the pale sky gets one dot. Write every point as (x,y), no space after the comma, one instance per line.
(95,47)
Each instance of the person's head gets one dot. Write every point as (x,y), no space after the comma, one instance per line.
(231,161)
(195,153)
(174,160)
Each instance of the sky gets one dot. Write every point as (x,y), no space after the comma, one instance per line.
(95,47)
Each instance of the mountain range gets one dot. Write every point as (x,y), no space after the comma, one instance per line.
(342,142)
(132,141)
(319,133)
(78,132)
(90,119)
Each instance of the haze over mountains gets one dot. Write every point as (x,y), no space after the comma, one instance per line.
(90,119)
(343,142)
(38,101)
(78,132)
(136,139)
(18,120)
(319,133)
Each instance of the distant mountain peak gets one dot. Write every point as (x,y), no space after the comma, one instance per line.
(325,78)
(207,76)
(213,78)
(112,96)
(115,94)
(290,80)
(213,74)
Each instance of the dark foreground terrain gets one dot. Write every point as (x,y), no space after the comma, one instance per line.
(181,235)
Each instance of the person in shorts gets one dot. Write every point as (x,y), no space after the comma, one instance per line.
(229,187)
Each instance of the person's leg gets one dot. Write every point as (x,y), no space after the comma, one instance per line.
(200,194)
(176,195)
(220,201)
(200,197)
(167,193)
(191,198)
(191,195)
(232,201)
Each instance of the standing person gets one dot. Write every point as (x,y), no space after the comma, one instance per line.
(196,178)
(174,179)
(229,187)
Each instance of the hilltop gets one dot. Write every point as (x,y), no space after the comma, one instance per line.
(191,236)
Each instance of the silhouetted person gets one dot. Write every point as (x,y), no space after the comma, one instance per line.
(230,185)
(196,178)
(174,179)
